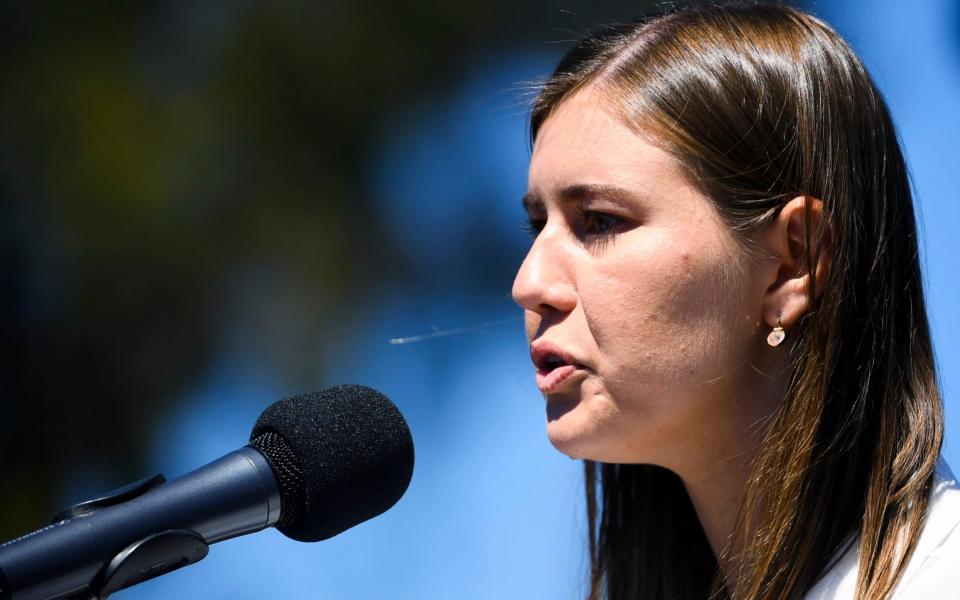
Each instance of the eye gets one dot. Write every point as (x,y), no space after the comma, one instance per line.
(597,223)
(533,226)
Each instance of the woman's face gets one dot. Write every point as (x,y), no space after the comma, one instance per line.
(643,314)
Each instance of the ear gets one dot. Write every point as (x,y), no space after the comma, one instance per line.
(800,227)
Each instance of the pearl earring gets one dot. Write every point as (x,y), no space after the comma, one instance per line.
(777,335)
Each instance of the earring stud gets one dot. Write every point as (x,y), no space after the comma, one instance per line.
(777,335)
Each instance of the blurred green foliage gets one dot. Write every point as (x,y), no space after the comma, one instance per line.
(150,152)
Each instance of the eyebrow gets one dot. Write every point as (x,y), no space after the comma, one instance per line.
(532,200)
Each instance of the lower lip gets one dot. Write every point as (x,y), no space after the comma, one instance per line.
(549,381)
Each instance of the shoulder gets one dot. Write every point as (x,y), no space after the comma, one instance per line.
(934,564)
(933,568)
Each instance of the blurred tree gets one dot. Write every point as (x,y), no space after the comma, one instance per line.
(152,154)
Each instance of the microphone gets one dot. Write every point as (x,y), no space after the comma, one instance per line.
(316,465)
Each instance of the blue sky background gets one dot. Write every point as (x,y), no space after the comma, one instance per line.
(493,511)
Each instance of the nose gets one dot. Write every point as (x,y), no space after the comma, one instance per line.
(543,283)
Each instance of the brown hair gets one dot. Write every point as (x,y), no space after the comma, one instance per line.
(763,103)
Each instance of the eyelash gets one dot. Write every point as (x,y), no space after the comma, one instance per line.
(587,218)
(532,227)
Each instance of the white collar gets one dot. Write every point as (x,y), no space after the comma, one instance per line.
(940,539)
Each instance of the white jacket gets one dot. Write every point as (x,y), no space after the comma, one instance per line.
(934,569)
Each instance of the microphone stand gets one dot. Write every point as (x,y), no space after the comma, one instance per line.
(152,556)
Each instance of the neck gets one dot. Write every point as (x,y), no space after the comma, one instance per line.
(715,478)
(716,497)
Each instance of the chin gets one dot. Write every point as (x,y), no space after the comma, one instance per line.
(581,430)
(571,445)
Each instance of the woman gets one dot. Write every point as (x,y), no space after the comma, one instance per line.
(726,315)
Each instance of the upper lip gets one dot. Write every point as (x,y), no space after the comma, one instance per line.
(546,356)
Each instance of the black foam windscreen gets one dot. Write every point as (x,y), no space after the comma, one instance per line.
(355,453)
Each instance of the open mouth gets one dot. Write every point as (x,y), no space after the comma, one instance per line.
(553,368)
(551,362)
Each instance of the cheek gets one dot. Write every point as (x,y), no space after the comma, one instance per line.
(662,312)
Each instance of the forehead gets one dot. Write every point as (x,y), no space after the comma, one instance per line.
(584,140)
